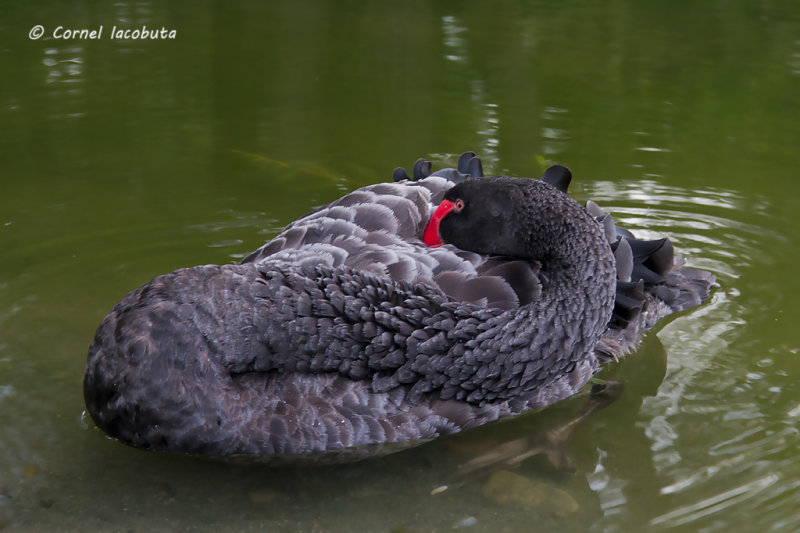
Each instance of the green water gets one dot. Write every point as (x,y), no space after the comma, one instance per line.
(124,159)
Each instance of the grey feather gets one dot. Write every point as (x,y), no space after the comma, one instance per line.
(346,336)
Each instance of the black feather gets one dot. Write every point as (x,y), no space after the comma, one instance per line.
(558,176)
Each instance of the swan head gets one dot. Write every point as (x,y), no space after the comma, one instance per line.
(517,217)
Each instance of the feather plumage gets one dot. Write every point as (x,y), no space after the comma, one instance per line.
(345,332)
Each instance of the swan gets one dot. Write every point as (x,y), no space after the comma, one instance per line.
(400,312)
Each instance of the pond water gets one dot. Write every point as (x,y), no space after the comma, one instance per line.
(122,159)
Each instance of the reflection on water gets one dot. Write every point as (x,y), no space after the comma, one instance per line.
(484,113)
(554,130)
(453,41)
(701,223)
(738,467)
(65,80)
(125,159)
(794,60)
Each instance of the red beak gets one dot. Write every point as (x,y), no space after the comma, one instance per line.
(431,236)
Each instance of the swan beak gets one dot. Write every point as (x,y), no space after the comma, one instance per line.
(431,236)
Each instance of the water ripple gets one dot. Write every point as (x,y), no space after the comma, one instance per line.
(709,427)
(719,502)
(713,237)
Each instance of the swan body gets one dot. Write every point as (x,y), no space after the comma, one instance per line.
(400,312)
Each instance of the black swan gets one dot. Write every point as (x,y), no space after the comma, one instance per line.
(397,313)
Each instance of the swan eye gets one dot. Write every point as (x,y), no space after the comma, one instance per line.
(458,205)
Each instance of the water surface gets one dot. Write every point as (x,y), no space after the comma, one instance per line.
(125,159)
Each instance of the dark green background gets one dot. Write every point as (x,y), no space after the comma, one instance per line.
(121,160)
